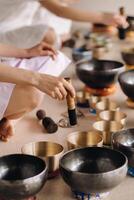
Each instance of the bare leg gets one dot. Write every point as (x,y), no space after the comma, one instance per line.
(22,101)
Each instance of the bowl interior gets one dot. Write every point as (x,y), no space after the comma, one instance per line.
(42,149)
(92,160)
(100,65)
(20,167)
(82,139)
(125,138)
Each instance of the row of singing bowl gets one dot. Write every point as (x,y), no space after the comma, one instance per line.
(84,139)
(21,176)
(48,151)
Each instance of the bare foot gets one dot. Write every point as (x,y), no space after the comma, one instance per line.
(6,130)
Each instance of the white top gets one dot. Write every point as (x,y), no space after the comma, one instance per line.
(25,22)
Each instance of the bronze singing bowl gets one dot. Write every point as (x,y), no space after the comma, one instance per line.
(106,104)
(49,151)
(84,139)
(109,115)
(107,128)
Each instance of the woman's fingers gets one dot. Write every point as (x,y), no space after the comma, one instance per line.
(69,87)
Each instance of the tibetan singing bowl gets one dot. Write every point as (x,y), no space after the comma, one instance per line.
(128,56)
(109,115)
(123,141)
(49,151)
(84,139)
(126,80)
(107,128)
(93,100)
(21,176)
(93,169)
(98,73)
(106,104)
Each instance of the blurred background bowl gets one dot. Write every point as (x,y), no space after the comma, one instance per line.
(128,56)
(126,80)
(117,116)
(93,100)
(82,53)
(93,169)
(123,141)
(21,176)
(84,139)
(49,151)
(98,73)
(107,128)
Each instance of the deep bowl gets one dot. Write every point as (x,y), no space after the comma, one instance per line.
(128,56)
(126,80)
(124,141)
(84,139)
(82,53)
(98,73)
(21,176)
(93,169)
(48,151)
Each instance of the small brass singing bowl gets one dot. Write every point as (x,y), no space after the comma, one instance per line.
(48,151)
(107,128)
(106,104)
(109,115)
(93,100)
(84,139)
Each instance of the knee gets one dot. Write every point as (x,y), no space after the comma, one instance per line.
(35,97)
(50,36)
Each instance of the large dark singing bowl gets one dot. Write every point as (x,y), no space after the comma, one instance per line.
(124,141)
(128,56)
(126,80)
(93,169)
(98,73)
(21,176)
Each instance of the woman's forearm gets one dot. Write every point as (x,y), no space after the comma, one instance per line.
(71,13)
(18,76)
(12,51)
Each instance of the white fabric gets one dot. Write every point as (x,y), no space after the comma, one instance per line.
(25,22)
(40,64)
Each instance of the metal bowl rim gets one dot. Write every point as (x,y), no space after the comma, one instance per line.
(94,174)
(30,143)
(84,132)
(26,179)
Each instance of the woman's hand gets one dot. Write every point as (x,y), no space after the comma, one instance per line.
(55,87)
(42,49)
(114,20)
